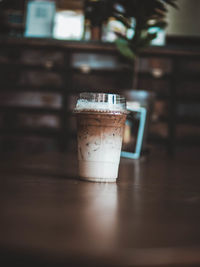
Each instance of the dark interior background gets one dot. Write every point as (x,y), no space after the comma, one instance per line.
(40,80)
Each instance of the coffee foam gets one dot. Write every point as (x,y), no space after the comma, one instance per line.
(85,105)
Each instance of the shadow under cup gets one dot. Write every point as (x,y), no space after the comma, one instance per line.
(100,133)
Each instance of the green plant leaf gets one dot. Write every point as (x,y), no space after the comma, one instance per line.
(124,48)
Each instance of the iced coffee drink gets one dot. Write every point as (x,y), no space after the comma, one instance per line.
(100,120)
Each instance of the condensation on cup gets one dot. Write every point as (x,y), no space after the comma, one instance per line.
(100,122)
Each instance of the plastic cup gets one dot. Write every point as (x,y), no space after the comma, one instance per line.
(100,120)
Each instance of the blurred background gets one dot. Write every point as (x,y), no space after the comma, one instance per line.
(53,50)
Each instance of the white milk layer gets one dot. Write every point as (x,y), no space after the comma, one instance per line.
(83,104)
(98,171)
(99,152)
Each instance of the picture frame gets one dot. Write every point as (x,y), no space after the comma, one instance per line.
(40,18)
(134,132)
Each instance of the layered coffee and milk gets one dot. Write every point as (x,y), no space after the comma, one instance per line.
(100,124)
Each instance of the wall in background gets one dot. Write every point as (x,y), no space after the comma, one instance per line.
(186,20)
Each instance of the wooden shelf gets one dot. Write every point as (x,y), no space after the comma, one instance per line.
(188,120)
(149,75)
(29,88)
(103,71)
(35,110)
(102,47)
(30,131)
(183,76)
(73,78)
(188,98)
(13,66)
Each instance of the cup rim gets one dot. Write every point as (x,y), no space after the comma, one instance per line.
(111,103)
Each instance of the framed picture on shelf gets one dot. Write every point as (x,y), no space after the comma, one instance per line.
(40,18)
(134,132)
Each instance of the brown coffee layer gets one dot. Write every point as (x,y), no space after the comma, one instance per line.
(101,119)
(97,131)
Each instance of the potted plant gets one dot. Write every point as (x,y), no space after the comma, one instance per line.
(138,15)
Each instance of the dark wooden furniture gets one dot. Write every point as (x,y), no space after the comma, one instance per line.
(40,80)
(173,73)
(150,217)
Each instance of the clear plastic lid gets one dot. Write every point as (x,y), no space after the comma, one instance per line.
(101,102)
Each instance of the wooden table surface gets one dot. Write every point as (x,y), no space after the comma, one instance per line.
(150,217)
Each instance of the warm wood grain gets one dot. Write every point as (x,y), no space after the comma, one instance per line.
(151,217)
